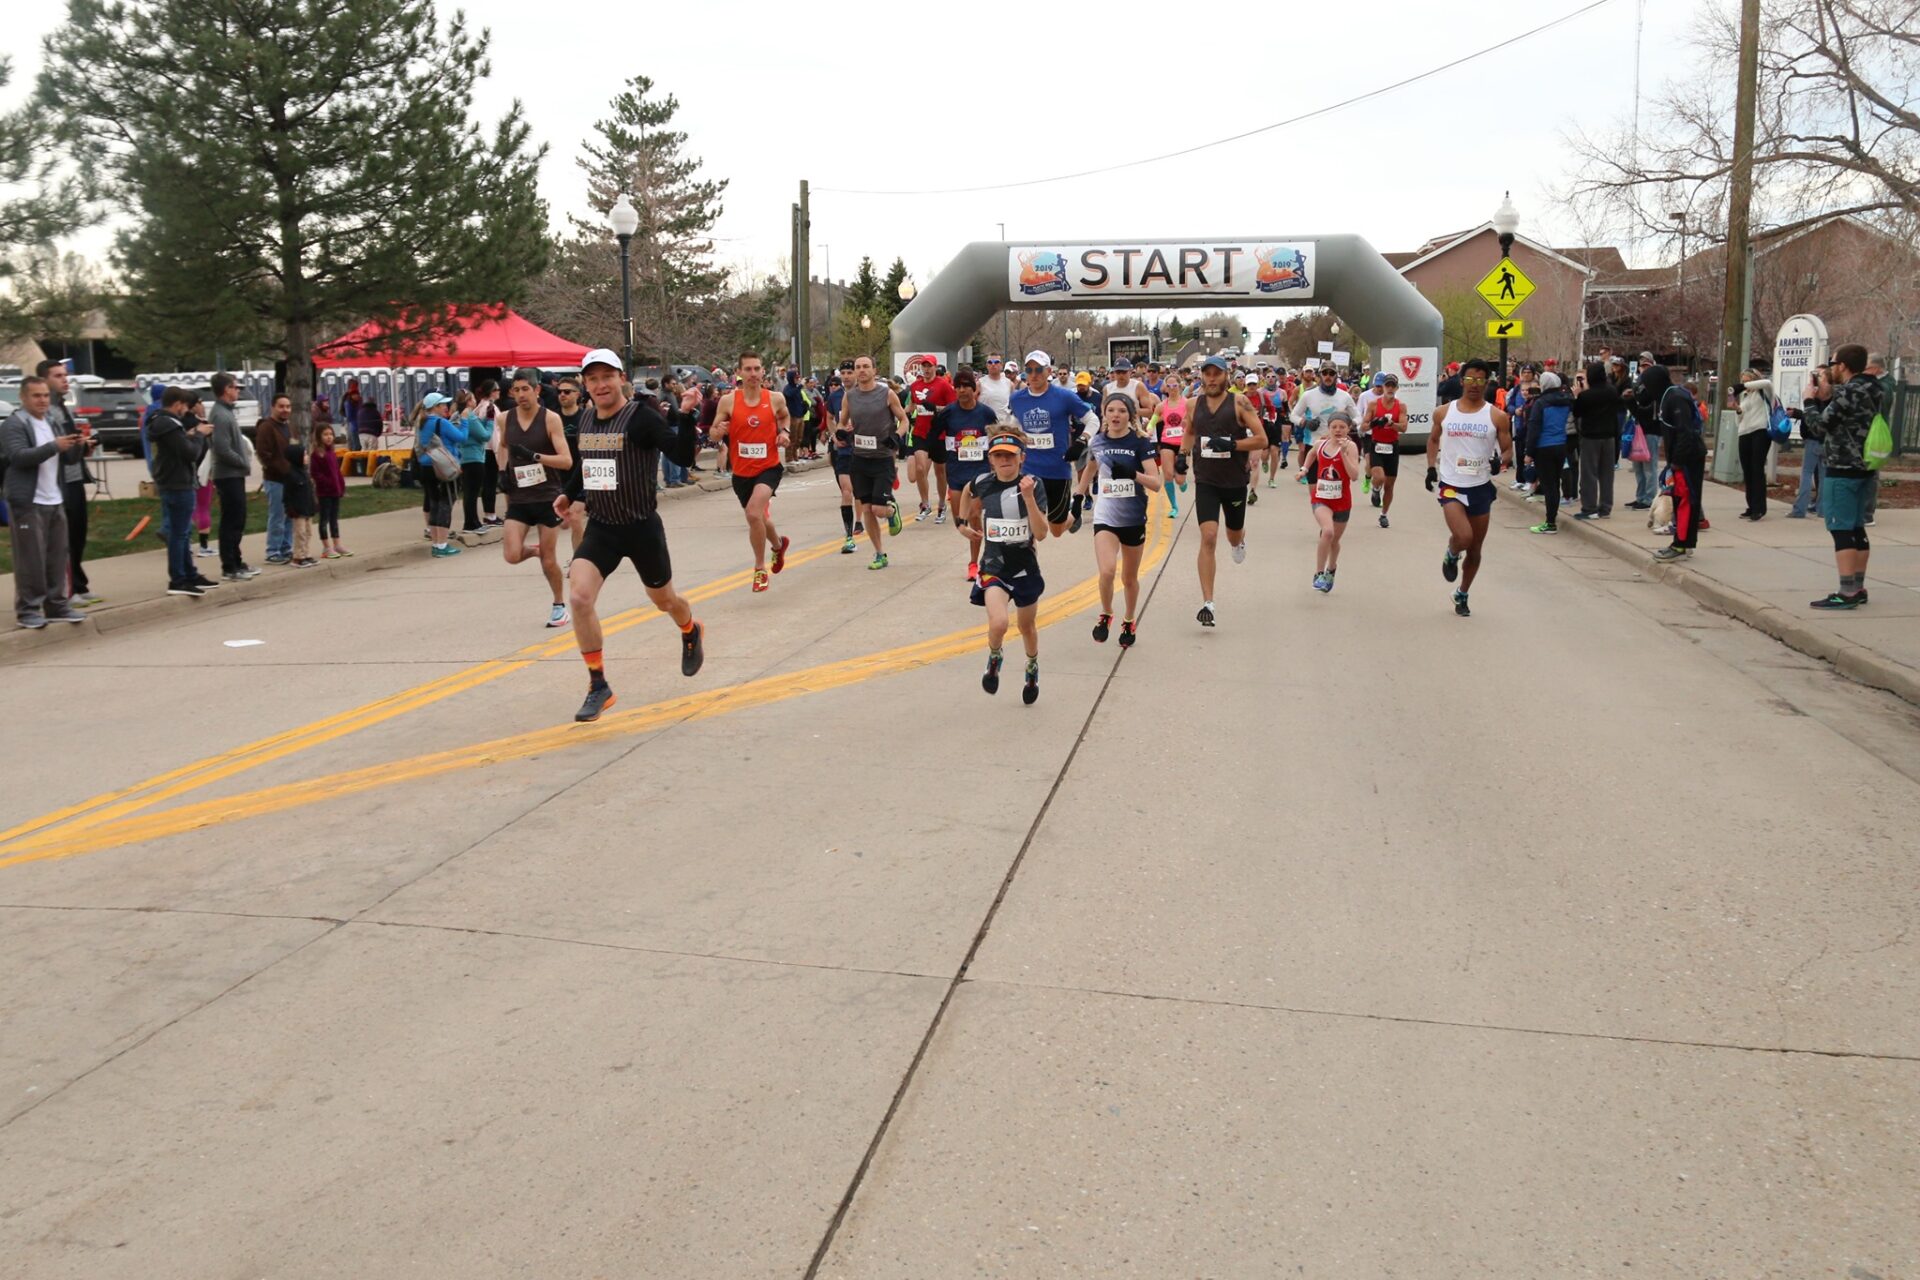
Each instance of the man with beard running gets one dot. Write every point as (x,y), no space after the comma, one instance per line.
(621,443)
(872,416)
(534,462)
(1222,429)
(1469,443)
(754,426)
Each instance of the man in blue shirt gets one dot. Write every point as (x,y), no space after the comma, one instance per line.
(1052,417)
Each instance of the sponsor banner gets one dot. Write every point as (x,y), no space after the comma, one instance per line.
(1068,273)
(901,359)
(1419,372)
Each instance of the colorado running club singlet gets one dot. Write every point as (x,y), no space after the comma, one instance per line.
(874,425)
(1468,442)
(753,435)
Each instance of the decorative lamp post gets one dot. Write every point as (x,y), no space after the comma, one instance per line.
(1506,221)
(625,220)
(1073,346)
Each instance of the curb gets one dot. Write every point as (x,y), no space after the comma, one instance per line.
(1854,661)
(109,619)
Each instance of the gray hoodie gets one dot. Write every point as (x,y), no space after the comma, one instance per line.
(229,445)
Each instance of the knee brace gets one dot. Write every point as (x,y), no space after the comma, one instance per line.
(1849,539)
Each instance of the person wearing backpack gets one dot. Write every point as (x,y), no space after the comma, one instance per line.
(1755,403)
(1843,409)
(1678,414)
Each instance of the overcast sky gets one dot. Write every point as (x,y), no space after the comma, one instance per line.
(870,95)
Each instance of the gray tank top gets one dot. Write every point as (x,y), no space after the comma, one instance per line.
(873,422)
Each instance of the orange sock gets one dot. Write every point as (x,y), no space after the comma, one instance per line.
(688,629)
(594,665)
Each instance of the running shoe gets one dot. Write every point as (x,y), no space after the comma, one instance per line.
(1031,693)
(1073,525)
(1383,520)
(1673,553)
(1127,633)
(1376,497)
(973,571)
(1321,582)
(203,550)
(1183,486)
(233,575)
(760,580)
(1835,600)
(693,649)
(894,522)
(86,600)
(1460,604)
(1543,527)
(1450,565)
(599,698)
(342,552)
(1173,510)
(1253,495)
(1366,484)
(558,616)
(940,516)
(991,680)
(38,622)
(859,527)
(846,548)
(780,553)
(924,512)
(1240,552)
(1100,626)
(1271,482)
(451,549)
(203,582)
(1205,616)
(878,562)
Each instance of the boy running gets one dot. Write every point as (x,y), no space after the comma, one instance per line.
(1011,516)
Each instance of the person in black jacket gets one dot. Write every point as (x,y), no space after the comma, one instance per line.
(1678,414)
(1597,412)
(177,439)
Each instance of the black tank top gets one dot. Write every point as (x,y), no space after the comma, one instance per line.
(1205,422)
(540,440)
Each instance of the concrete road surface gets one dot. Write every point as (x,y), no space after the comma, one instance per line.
(1350,938)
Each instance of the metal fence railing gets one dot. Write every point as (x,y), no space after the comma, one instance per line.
(1903,415)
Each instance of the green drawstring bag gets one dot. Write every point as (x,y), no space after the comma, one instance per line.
(1879,442)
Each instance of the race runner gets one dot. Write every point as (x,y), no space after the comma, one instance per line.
(1052,417)
(1171,429)
(964,427)
(534,460)
(1007,506)
(1387,417)
(1248,385)
(753,426)
(1274,457)
(1469,443)
(1121,468)
(996,392)
(618,479)
(573,405)
(1315,403)
(840,451)
(931,393)
(1334,470)
(1221,429)
(1124,383)
(873,416)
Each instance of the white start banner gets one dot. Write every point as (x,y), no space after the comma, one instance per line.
(1418,369)
(1163,269)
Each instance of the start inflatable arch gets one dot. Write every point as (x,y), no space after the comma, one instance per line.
(1342,272)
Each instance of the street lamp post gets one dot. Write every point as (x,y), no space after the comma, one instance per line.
(1073,347)
(1506,221)
(625,220)
(1005,339)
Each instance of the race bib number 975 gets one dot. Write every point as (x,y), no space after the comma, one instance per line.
(599,474)
(1043,440)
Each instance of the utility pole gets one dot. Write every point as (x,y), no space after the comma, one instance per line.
(1005,342)
(793,260)
(804,333)
(1734,337)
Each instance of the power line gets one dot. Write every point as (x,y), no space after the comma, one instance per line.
(1238,137)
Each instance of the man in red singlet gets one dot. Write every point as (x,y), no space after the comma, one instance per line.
(931,393)
(751,423)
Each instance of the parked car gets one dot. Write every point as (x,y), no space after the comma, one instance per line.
(113,408)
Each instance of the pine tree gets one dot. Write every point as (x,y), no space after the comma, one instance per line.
(863,295)
(890,300)
(299,166)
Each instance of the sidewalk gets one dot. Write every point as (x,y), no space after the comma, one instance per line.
(134,587)
(1766,573)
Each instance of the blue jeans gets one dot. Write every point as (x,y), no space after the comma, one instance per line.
(1805,501)
(1646,475)
(279,528)
(671,472)
(176,521)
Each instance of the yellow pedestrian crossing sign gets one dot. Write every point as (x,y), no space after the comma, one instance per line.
(1505,288)
(1506,329)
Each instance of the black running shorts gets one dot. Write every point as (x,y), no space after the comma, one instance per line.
(743,486)
(535,515)
(1387,462)
(1130,535)
(872,480)
(644,543)
(1210,500)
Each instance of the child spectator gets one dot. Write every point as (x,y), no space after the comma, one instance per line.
(329,486)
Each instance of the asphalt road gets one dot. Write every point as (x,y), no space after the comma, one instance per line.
(1349,938)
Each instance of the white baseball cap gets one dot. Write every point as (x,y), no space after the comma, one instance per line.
(600,355)
(1040,358)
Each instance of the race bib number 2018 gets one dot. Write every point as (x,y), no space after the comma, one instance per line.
(599,474)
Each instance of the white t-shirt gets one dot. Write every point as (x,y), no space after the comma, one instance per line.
(997,394)
(46,480)
(1314,405)
(1468,442)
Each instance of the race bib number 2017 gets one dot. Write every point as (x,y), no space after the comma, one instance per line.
(1000,530)
(599,474)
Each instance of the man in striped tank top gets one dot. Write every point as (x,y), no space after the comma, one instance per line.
(621,441)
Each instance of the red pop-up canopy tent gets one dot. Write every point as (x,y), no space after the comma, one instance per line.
(497,341)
